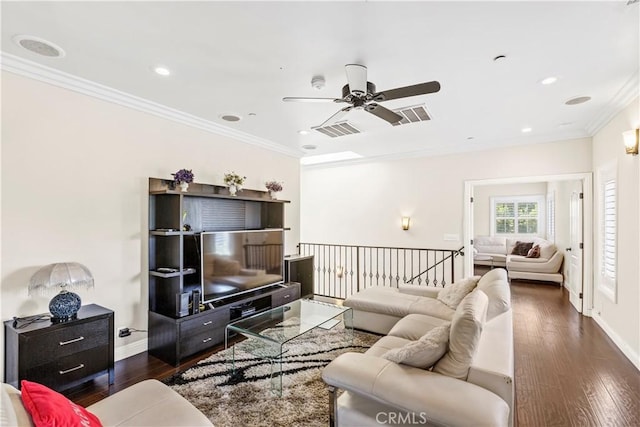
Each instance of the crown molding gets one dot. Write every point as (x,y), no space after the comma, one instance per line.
(627,93)
(33,70)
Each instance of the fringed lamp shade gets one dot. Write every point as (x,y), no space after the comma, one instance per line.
(63,276)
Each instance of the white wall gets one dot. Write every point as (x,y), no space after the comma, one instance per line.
(362,203)
(74,188)
(621,319)
(482,202)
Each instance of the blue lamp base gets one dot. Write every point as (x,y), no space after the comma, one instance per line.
(64,306)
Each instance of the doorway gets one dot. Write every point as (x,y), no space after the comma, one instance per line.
(572,222)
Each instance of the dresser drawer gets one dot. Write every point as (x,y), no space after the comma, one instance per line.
(285,296)
(46,347)
(59,373)
(213,319)
(192,344)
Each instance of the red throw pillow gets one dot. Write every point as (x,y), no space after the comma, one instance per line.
(51,409)
(534,252)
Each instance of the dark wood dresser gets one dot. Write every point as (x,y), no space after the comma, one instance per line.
(60,355)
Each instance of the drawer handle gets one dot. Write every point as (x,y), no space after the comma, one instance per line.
(66,371)
(207,323)
(71,341)
(206,340)
(286,296)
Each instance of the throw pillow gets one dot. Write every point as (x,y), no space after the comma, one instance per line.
(424,352)
(466,328)
(534,252)
(49,408)
(521,248)
(454,293)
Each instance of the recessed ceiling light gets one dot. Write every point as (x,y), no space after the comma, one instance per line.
(230,117)
(470,138)
(252,114)
(578,100)
(162,71)
(566,123)
(549,80)
(499,58)
(303,132)
(309,147)
(526,130)
(39,46)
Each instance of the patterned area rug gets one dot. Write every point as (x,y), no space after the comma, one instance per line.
(245,398)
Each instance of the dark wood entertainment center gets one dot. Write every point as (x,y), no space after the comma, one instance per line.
(176,219)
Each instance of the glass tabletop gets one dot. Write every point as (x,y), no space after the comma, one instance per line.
(284,323)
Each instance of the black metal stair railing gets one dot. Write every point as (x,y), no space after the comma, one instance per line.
(342,270)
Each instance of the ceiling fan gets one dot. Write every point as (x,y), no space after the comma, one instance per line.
(360,93)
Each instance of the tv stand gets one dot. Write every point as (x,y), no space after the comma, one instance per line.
(175,339)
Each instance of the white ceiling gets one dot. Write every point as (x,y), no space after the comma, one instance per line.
(243,57)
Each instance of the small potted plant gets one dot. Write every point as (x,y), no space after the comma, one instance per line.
(234,182)
(274,187)
(183,177)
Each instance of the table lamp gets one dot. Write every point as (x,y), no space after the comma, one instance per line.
(65,276)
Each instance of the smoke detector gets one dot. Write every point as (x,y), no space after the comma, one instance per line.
(318,82)
(39,46)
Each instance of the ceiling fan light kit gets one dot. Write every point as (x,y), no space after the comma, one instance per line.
(361,94)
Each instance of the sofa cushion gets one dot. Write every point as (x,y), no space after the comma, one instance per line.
(385,344)
(491,245)
(491,275)
(50,408)
(521,248)
(452,294)
(413,326)
(498,293)
(424,352)
(466,328)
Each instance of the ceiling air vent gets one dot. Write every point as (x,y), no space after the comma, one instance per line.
(337,129)
(412,114)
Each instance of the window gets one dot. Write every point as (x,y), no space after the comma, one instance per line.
(517,215)
(608,231)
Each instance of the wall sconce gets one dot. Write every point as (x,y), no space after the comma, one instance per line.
(631,141)
(406,222)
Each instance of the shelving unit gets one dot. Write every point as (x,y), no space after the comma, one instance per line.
(176,220)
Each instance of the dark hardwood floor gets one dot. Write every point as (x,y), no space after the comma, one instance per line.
(568,372)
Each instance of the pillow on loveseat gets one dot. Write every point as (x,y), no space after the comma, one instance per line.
(50,408)
(521,248)
(424,352)
(454,293)
(466,328)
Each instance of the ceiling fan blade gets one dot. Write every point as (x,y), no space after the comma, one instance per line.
(337,116)
(407,91)
(303,99)
(357,78)
(383,113)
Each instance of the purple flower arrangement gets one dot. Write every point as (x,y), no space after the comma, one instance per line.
(273,186)
(183,175)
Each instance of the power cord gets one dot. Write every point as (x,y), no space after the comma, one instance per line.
(21,322)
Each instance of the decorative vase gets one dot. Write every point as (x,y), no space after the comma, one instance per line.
(273,194)
(184,186)
(64,306)
(233,189)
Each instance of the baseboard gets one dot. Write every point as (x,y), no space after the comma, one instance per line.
(619,342)
(131,349)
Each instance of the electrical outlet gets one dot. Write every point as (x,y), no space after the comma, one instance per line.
(123,332)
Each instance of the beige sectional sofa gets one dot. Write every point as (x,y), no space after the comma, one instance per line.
(497,252)
(147,403)
(478,391)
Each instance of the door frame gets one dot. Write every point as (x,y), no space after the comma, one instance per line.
(587,224)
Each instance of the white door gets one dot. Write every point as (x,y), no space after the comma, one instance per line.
(574,253)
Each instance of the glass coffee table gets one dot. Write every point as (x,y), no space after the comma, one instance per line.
(268,332)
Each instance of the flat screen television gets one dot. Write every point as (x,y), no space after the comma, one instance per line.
(234,262)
